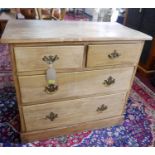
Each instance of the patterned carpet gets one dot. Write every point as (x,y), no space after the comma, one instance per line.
(137,129)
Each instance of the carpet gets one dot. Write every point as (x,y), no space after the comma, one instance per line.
(137,130)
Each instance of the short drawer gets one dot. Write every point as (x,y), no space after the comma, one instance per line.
(30,58)
(75,84)
(113,54)
(57,114)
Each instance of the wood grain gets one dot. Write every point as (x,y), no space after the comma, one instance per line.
(16,84)
(72,111)
(98,54)
(44,134)
(30,58)
(70,70)
(132,78)
(69,43)
(74,84)
(28,31)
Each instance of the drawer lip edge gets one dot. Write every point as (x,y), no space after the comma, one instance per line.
(81,97)
(73,98)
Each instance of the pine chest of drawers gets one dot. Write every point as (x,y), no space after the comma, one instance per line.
(95,64)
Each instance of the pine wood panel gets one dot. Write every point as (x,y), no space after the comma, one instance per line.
(70,70)
(74,84)
(30,58)
(72,111)
(73,43)
(30,31)
(16,84)
(44,134)
(98,54)
(47,133)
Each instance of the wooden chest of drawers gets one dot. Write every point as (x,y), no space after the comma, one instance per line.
(94,73)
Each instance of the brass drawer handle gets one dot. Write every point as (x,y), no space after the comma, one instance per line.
(113,55)
(109,81)
(50,59)
(51,88)
(102,108)
(51,116)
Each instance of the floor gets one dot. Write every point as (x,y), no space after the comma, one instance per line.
(146,81)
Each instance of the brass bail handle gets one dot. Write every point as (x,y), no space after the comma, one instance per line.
(109,81)
(114,54)
(50,59)
(52,116)
(102,108)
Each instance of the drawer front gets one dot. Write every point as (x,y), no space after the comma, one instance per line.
(56,114)
(30,58)
(112,54)
(75,84)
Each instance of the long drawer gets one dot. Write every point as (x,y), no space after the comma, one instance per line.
(30,58)
(70,112)
(113,54)
(75,84)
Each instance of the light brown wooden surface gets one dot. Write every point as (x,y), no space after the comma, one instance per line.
(81,43)
(30,58)
(16,84)
(70,70)
(72,111)
(44,134)
(28,31)
(98,54)
(74,84)
(132,79)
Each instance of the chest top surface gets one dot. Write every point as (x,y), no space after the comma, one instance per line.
(32,31)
